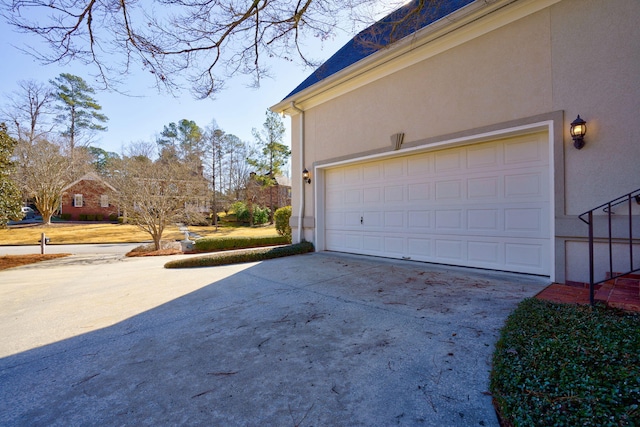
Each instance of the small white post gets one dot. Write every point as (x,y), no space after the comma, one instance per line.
(43,243)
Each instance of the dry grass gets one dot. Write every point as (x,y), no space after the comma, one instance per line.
(113,233)
(9,261)
(161,252)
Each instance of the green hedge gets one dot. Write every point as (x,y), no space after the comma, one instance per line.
(568,365)
(248,255)
(214,244)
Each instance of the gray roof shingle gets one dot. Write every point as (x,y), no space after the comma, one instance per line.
(395,26)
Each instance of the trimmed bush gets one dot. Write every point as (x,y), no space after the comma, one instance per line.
(82,217)
(249,255)
(281,217)
(91,217)
(113,217)
(214,244)
(65,216)
(99,217)
(567,365)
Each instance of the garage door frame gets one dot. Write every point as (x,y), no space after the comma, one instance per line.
(546,126)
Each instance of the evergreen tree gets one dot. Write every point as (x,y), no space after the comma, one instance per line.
(10,198)
(78,109)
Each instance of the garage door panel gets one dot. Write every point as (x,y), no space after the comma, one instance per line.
(419,165)
(523,185)
(523,220)
(521,254)
(485,205)
(352,196)
(393,169)
(352,219)
(486,220)
(372,244)
(393,194)
(449,220)
(394,219)
(485,253)
(448,190)
(525,150)
(419,219)
(485,156)
(419,249)
(394,245)
(483,188)
(418,191)
(448,161)
(449,250)
(352,176)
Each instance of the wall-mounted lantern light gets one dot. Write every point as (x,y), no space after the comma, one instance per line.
(306,176)
(578,130)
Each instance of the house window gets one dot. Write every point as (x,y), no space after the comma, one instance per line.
(104,201)
(77,200)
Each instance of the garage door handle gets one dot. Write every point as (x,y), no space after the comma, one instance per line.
(360,220)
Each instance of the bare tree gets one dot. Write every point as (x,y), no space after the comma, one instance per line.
(214,138)
(48,171)
(29,110)
(157,194)
(206,41)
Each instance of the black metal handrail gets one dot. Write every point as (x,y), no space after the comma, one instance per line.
(608,235)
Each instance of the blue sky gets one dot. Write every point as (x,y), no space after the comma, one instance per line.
(237,109)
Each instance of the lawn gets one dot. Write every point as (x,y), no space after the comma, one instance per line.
(60,233)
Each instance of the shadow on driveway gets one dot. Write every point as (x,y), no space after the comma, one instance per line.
(317,339)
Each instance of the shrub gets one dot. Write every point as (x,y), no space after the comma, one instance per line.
(65,216)
(120,220)
(249,255)
(260,215)
(214,244)
(99,217)
(91,217)
(560,364)
(281,218)
(113,217)
(82,217)
(240,210)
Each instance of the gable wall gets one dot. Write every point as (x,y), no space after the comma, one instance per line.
(91,192)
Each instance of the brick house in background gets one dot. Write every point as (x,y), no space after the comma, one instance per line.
(89,195)
(279,193)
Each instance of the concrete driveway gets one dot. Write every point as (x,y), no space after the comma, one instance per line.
(311,340)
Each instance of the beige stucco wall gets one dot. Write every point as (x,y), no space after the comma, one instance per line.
(575,56)
(498,77)
(596,73)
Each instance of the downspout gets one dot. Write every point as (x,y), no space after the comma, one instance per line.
(301,168)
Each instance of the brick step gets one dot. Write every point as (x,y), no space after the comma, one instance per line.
(622,292)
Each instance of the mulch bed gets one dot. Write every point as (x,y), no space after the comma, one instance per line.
(9,261)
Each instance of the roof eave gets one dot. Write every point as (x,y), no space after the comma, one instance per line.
(437,29)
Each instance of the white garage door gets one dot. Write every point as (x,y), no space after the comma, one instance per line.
(485,205)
